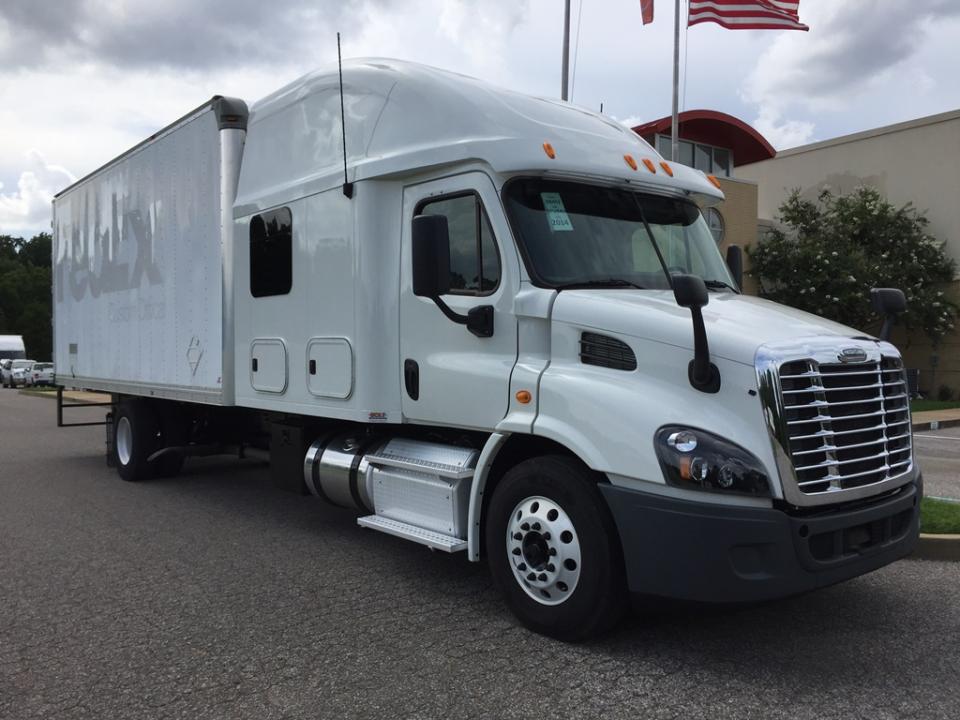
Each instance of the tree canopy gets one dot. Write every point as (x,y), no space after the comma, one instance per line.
(832,251)
(25,292)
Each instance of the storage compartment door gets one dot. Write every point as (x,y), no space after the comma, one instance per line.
(268,365)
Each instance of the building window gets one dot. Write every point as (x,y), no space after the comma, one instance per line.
(474,261)
(708,158)
(271,253)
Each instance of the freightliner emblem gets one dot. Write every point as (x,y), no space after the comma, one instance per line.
(852,355)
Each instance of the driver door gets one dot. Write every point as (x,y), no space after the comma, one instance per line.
(450,376)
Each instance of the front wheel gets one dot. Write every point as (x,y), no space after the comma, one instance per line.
(553,549)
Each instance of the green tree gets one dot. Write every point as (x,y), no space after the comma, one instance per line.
(832,251)
(25,292)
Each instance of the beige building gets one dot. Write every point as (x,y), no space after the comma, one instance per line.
(913,162)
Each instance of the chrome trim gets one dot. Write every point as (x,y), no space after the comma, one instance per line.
(825,350)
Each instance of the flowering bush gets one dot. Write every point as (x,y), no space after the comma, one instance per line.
(837,248)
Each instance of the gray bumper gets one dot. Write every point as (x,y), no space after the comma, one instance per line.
(709,553)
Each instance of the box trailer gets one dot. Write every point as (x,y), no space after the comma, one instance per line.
(487,323)
(12,347)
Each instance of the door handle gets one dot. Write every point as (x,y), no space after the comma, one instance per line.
(411,378)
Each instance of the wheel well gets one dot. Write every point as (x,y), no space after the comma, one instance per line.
(516,449)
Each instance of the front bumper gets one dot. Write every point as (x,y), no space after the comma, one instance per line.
(724,554)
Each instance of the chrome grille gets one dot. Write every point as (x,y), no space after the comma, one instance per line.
(847,425)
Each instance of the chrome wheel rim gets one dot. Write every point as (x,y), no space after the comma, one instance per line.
(124,441)
(543,550)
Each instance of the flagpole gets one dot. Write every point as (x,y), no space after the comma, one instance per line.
(674,120)
(566,51)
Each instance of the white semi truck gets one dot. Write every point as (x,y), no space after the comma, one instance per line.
(487,323)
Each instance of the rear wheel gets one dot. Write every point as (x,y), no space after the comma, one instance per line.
(135,438)
(553,549)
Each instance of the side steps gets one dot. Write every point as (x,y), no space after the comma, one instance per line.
(433,540)
(420,492)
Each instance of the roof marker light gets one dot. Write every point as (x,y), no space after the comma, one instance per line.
(548,149)
(650,166)
(713,181)
(630,161)
(666,168)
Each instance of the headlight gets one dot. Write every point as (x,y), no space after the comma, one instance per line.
(698,460)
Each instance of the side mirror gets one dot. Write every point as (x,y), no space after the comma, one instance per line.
(888,303)
(690,292)
(431,256)
(735,263)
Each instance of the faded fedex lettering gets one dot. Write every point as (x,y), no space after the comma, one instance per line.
(102,260)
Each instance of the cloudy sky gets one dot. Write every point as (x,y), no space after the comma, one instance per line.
(82,80)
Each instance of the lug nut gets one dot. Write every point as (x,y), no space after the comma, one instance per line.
(532,577)
(521,567)
(553,552)
(546,536)
(518,536)
(542,577)
(551,568)
(536,526)
(525,527)
(516,551)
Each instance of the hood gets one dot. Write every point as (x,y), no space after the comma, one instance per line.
(736,324)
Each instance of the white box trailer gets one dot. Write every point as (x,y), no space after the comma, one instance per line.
(488,323)
(12,347)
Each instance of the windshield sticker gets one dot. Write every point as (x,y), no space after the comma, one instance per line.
(556,213)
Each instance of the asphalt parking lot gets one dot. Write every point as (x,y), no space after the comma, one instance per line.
(212,595)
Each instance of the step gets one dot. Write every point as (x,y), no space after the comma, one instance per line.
(431,539)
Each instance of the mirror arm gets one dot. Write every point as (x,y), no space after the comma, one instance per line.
(479,320)
(703,374)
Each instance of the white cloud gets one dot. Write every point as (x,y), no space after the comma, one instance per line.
(28,207)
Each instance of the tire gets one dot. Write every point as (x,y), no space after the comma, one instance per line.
(565,580)
(135,438)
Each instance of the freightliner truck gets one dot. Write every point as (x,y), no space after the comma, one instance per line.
(486,323)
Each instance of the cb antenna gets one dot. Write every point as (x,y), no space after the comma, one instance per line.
(347,185)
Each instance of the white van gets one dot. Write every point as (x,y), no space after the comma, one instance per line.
(488,323)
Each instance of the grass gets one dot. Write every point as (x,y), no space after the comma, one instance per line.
(939,516)
(924,405)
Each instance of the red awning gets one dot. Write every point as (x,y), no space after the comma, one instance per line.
(714,128)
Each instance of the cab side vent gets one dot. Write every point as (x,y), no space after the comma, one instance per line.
(606,352)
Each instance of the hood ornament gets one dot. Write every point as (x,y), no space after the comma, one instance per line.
(852,355)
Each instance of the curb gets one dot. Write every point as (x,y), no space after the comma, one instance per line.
(935,424)
(938,547)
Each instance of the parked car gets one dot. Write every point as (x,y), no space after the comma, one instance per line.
(17,373)
(5,364)
(41,374)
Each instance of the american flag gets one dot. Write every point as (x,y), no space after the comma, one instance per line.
(747,14)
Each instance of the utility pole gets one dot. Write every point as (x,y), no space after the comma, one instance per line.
(566,51)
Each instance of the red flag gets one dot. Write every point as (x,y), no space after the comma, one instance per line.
(646,11)
(747,14)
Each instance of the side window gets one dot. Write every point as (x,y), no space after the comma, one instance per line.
(474,262)
(271,253)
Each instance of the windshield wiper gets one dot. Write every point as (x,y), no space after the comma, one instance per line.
(604,283)
(719,285)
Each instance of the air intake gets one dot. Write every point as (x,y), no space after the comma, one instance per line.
(606,351)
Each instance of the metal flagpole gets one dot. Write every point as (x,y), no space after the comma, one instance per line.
(674,122)
(566,50)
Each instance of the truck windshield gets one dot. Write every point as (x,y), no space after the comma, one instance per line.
(580,235)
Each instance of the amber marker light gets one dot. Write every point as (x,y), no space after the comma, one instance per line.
(650,166)
(524,397)
(713,181)
(548,149)
(628,159)
(666,168)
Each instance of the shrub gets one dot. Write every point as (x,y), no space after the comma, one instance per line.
(832,251)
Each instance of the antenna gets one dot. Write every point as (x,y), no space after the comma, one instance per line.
(601,108)
(347,185)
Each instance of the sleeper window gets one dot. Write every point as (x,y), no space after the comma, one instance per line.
(474,262)
(271,253)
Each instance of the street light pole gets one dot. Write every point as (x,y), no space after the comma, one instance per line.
(566,51)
